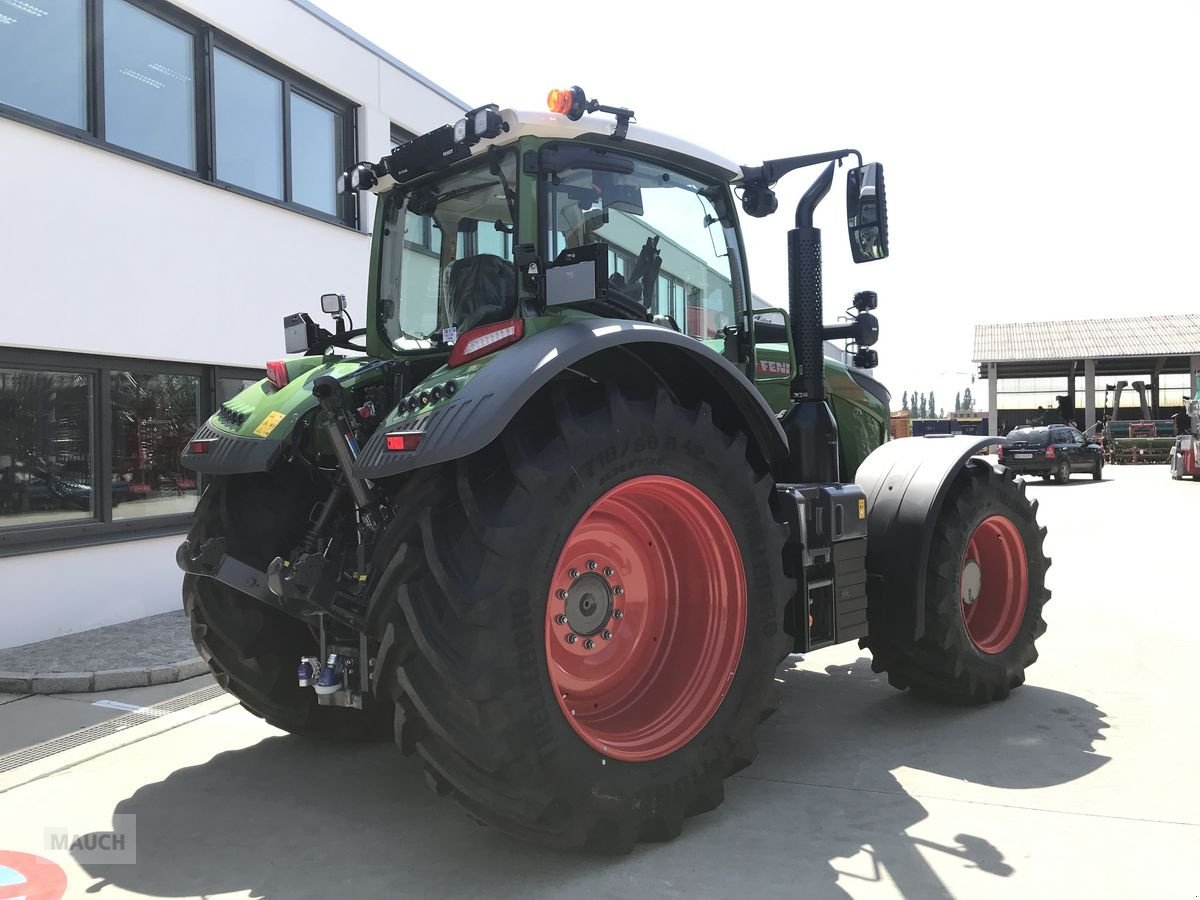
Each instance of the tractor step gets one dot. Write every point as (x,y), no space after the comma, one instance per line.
(826,549)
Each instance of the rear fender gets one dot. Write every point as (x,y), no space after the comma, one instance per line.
(250,432)
(493,397)
(906,482)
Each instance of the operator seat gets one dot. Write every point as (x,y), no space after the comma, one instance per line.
(479,290)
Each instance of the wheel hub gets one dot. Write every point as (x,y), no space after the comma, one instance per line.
(972,581)
(589,604)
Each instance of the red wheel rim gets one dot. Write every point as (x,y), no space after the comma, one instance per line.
(994,584)
(645,618)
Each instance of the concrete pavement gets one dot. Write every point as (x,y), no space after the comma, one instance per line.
(1081,784)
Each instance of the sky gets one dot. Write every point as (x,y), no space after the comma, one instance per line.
(1039,156)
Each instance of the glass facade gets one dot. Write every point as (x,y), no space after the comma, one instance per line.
(136,75)
(149,85)
(47,472)
(43,59)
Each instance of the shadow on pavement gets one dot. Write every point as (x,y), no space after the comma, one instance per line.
(290,817)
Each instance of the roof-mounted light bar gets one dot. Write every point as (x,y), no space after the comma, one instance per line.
(426,153)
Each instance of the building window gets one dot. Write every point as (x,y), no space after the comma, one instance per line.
(153,417)
(46,439)
(43,59)
(149,85)
(90,446)
(249,126)
(145,78)
(316,152)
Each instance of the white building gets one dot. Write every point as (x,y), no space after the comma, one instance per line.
(166,197)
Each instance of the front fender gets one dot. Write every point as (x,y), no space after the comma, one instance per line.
(490,400)
(906,482)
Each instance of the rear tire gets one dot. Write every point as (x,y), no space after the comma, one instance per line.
(482,659)
(1097,470)
(1062,472)
(980,623)
(253,649)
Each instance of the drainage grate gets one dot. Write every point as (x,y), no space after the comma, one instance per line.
(104,729)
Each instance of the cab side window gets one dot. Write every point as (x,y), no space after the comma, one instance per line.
(667,247)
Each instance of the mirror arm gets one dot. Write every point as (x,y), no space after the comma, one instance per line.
(774,169)
(815,194)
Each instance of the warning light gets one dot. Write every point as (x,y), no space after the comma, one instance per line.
(201,446)
(570,102)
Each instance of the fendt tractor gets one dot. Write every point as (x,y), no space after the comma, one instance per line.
(552,518)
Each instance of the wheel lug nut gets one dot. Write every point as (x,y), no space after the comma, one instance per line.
(617,614)
(609,571)
(591,564)
(589,644)
(607,635)
(574,573)
(618,590)
(562,595)
(560,619)
(572,638)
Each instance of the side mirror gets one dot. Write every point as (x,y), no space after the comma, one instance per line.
(866,213)
(771,326)
(334,304)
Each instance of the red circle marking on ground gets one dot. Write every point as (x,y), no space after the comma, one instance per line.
(40,878)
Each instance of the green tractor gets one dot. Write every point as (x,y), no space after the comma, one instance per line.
(552,518)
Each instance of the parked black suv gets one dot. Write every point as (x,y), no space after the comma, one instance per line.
(1047,450)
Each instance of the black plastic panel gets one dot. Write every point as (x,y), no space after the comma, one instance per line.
(229,454)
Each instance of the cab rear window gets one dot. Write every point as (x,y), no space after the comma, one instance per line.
(1032,436)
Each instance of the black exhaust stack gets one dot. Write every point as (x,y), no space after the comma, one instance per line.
(809,424)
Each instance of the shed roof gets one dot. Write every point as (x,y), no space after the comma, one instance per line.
(1177,335)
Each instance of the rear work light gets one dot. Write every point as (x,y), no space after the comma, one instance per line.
(403,440)
(277,373)
(484,340)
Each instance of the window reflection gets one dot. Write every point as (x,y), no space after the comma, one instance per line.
(46,467)
(249,126)
(153,417)
(149,89)
(43,59)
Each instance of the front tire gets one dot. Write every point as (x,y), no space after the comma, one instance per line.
(1097,470)
(985,590)
(598,512)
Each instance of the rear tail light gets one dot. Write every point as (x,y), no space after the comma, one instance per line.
(277,373)
(484,340)
(1000,453)
(403,440)
(1049,451)
(200,446)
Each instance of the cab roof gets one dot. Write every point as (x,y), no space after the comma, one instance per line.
(523,123)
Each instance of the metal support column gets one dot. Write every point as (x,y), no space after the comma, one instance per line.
(993,412)
(1089,393)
